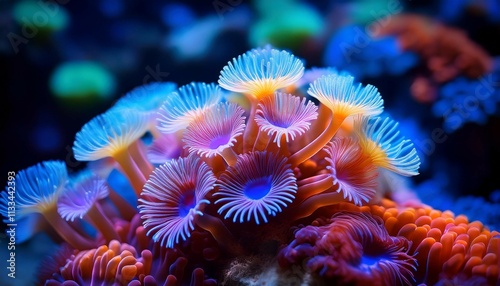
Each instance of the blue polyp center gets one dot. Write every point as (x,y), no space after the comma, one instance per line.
(218,141)
(279,122)
(186,203)
(258,188)
(370,260)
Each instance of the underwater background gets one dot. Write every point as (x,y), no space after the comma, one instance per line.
(434,63)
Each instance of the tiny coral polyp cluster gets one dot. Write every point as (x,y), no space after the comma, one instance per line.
(231,172)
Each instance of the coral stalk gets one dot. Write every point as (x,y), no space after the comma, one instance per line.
(250,134)
(229,156)
(219,231)
(317,144)
(102,223)
(65,231)
(311,204)
(131,170)
(137,151)
(124,208)
(314,185)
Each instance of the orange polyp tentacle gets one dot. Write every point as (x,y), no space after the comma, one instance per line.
(423,220)
(449,220)
(448,214)
(421,254)
(471,263)
(126,253)
(482,238)
(377,210)
(458,230)
(461,219)
(417,237)
(453,265)
(364,209)
(394,211)
(388,203)
(407,230)
(142,238)
(114,246)
(477,224)
(493,274)
(427,227)
(386,215)
(404,218)
(473,232)
(99,251)
(479,270)
(435,233)
(490,259)
(494,244)
(434,264)
(434,214)
(390,224)
(128,273)
(111,269)
(126,269)
(147,260)
(105,258)
(86,266)
(447,242)
(99,268)
(421,212)
(459,248)
(463,237)
(478,249)
(438,223)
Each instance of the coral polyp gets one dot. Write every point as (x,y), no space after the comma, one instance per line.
(173,195)
(216,132)
(260,184)
(257,177)
(260,72)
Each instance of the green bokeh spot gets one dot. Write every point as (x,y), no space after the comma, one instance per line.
(47,16)
(82,82)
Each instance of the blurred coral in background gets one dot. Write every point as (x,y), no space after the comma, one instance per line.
(250,142)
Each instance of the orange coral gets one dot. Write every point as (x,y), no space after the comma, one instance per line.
(117,263)
(448,248)
(445,245)
(447,52)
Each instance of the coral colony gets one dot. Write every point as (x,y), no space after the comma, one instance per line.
(271,176)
